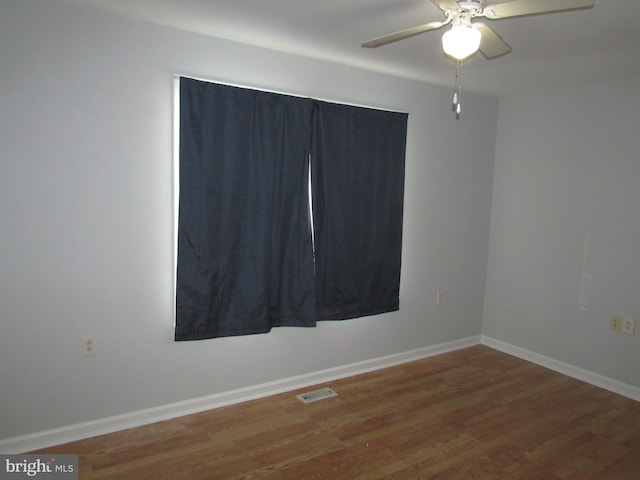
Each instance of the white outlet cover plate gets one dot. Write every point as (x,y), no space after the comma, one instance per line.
(89,345)
(628,326)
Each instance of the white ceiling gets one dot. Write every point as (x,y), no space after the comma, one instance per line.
(549,51)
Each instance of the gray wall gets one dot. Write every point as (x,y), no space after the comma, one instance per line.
(564,250)
(86,216)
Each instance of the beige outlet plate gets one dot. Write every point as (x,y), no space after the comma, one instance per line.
(616,323)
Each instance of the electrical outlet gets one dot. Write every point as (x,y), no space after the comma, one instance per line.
(628,326)
(616,323)
(439,298)
(89,345)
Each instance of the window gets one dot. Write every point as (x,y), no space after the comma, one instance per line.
(245,241)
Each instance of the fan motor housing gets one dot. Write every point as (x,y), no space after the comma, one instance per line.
(473,6)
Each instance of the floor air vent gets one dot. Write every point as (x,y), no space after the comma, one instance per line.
(310,397)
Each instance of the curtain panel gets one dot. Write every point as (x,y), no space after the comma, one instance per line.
(246,261)
(245,253)
(357,165)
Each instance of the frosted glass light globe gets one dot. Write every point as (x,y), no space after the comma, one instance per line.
(461,41)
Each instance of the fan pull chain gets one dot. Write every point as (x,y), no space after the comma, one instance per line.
(457,92)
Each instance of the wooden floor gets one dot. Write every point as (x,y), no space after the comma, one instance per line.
(471,414)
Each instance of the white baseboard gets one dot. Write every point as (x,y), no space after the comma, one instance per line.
(103,426)
(80,431)
(586,376)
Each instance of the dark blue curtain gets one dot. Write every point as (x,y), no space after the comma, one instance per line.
(245,253)
(358,189)
(245,248)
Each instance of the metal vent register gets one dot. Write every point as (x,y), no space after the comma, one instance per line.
(310,397)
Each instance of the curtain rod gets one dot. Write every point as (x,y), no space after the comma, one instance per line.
(252,87)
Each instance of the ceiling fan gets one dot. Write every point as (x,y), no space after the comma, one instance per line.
(467,37)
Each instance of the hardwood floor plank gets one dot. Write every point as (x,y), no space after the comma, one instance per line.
(471,414)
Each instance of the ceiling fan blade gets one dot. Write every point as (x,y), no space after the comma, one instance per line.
(492,45)
(445,5)
(517,8)
(402,34)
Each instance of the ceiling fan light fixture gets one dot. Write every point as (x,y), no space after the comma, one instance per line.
(461,41)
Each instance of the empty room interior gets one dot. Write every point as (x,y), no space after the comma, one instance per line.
(520,241)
